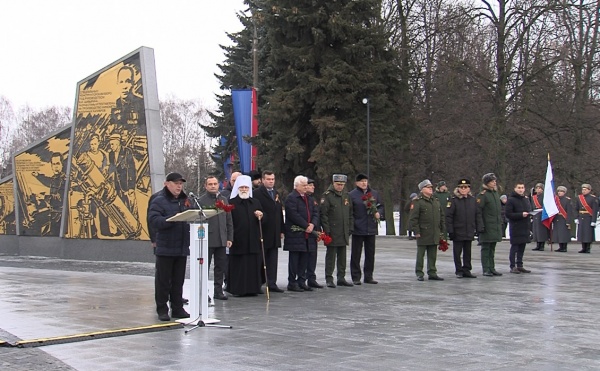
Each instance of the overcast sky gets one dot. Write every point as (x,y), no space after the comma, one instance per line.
(49,45)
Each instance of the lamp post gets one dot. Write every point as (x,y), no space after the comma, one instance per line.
(368,103)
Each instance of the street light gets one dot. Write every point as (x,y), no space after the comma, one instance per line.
(366,101)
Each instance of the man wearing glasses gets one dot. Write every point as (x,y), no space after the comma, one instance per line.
(463,220)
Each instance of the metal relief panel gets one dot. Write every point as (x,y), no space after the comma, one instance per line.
(40,177)
(109,169)
(8,225)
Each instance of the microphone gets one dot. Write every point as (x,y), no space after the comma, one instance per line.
(193,197)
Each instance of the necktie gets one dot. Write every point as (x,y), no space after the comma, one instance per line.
(272,193)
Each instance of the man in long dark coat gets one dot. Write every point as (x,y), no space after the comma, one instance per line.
(463,221)
(245,257)
(517,211)
(561,224)
(488,201)
(273,229)
(587,213)
(540,232)
(301,217)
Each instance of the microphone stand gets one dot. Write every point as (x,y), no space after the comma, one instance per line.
(202,323)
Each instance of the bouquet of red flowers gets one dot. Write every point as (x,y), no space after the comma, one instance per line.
(370,203)
(443,245)
(220,205)
(321,236)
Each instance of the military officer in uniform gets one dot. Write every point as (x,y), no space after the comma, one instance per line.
(561,224)
(463,220)
(337,221)
(587,213)
(428,222)
(540,232)
(489,203)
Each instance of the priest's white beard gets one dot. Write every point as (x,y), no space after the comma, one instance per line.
(244,195)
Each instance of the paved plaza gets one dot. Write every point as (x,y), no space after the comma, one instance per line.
(546,320)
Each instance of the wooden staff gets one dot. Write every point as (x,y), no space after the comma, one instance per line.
(262,247)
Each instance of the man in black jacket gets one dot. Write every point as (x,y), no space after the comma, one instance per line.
(517,211)
(367,210)
(463,220)
(172,241)
(273,228)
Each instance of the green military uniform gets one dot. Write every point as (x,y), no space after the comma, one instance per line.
(427,219)
(443,197)
(489,203)
(337,221)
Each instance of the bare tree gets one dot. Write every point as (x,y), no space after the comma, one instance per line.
(185,144)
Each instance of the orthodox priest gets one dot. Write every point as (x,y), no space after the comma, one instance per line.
(245,257)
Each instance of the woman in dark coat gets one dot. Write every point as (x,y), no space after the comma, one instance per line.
(517,211)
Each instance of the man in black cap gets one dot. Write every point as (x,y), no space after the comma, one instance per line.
(172,240)
(463,220)
(367,209)
(256,178)
(312,255)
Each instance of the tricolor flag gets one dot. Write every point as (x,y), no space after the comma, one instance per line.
(549,209)
(245,114)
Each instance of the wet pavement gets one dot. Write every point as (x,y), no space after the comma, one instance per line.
(546,320)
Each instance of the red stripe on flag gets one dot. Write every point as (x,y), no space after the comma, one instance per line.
(548,222)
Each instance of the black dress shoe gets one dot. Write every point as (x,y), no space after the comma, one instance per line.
(469,275)
(488,274)
(295,288)
(305,287)
(371,281)
(315,284)
(495,273)
(344,283)
(560,250)
(275,289)
(459,275)
(330,284)
(181,313)
(220,296)
(164,316)
(420,278)
(582,251)
(435,278)
(356,282)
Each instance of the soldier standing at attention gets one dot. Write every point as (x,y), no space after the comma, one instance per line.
(561,224)
(337,221)
(428,222)
(540,232)
(463,221)
(587,212)
(488,201)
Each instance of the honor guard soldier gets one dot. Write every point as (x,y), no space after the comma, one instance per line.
(587,213)
(489,203)
(561,224)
